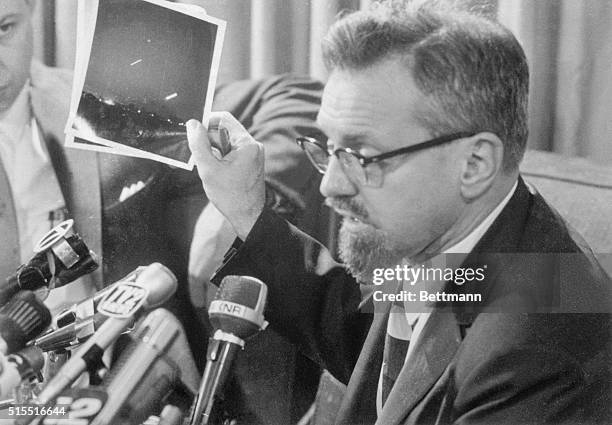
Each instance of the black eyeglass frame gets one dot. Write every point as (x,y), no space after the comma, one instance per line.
(365,160)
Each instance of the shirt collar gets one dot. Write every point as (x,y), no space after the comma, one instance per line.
(17,116)
(468,243)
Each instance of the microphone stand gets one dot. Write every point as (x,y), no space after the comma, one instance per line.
(222,348)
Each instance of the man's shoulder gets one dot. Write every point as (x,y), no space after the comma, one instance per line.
(546,230)
(521,354)
(537,263)
(550,269)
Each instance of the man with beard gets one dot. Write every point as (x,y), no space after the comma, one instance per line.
(425,111)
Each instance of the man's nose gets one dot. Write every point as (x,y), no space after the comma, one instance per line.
(335,181)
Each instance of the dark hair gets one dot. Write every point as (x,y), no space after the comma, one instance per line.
(471,70)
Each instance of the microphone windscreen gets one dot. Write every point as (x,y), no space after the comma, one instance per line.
(241,290)
(23,318)
(160,282)
(238,306)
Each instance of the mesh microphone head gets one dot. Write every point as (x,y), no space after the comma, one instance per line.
(242,290)
(23,318)
(238,306)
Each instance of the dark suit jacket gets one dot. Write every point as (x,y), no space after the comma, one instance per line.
(537,350)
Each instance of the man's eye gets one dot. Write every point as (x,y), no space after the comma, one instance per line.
(7,27)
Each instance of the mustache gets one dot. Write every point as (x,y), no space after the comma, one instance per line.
(347,204)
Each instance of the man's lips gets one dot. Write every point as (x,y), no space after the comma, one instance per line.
(349,216)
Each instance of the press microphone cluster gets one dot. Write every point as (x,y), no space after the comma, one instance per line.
(123,304)
(155,374)
(156,370)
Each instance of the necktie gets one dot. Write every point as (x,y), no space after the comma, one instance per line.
(397,341)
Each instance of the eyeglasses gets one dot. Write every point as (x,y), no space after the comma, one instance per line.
(365,170)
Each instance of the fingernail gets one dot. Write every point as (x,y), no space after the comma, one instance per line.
(192,125)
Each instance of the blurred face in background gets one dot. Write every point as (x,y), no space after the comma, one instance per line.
(15,49)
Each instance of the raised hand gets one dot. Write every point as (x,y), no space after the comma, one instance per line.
(234,183)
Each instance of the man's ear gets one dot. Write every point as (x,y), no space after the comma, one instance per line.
(484,153)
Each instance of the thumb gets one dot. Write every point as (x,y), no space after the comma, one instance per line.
(199,144)
(224,120)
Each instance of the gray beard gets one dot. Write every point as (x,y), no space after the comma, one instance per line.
(365,249)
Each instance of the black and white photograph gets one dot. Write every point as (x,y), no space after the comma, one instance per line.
(306,212)
(135,95)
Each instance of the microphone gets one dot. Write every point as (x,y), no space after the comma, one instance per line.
(236,314)
(78,322)
(70,335)
(156,364)
(89,306)
(18,366)
(153,287)
(23,318)
(61,257)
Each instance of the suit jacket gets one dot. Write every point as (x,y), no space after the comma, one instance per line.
(156,222)
(536,350)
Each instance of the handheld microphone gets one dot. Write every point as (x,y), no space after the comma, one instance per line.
(154,366)
(18,366)
(154,286)
(236,314)
(60,257)
(23,318)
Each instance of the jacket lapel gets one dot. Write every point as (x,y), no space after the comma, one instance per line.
(359,404)
(78,175)
(435,348)
(9,253)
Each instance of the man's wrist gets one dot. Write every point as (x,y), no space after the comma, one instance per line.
(243,225)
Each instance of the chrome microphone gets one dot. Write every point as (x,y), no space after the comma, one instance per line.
(88,307)
(70,335)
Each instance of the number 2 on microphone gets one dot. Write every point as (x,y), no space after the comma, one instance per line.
(80,412)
